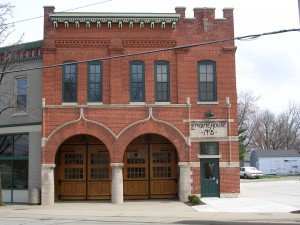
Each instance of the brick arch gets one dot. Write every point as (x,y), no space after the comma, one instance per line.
(152,127)
(80,128)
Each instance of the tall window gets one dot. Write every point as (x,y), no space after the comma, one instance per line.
(14,151)
(21,95)
(95,82)
(162,82)
(70,82)
(207,81)
(137,80)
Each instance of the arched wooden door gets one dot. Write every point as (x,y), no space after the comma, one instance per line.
(150,169)
(83,170)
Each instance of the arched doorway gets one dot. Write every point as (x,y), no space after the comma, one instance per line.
(150,169)
(82,170)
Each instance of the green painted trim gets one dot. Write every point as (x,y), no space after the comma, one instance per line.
(15,158)
(23,46)
(162,62)
(36,58)
(21,124)
(69,63)
(213,63)
(137,62)
(101,75)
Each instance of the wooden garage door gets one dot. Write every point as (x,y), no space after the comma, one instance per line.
(150,171)
(84,172)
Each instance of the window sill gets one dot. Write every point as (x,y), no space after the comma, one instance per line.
(20,114)
(69,104)
(94,103)
(208,103)
(137,103)
(162,103)
(209,156)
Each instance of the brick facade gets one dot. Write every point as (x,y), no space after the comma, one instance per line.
(117,121)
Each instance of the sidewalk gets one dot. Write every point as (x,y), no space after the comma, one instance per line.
(157,212)
(259,196)
(264,201)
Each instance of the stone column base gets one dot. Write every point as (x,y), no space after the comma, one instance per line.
(185,181)
(47,192)
(117,183)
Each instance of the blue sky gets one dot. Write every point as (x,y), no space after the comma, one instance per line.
(268,66)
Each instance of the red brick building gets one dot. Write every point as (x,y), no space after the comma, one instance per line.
(122,123)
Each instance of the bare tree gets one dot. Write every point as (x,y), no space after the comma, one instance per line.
(247,109)
(268,131)
(8,60)
(289,126)
(264,133)
(8,63)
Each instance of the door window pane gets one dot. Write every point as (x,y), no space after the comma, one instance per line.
(209,171)
(73,159)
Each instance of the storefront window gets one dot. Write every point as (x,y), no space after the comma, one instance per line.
(21,143)
(6,146)
(14,151)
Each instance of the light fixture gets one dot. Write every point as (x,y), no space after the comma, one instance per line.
(209,113)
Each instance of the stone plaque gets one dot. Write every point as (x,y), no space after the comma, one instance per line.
(208,129)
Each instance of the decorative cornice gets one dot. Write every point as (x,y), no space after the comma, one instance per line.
(48,50)
(81,43)
(114,18)
(149,43)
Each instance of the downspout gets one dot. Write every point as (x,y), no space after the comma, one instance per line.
(228,106)
(43,127)
(189,117)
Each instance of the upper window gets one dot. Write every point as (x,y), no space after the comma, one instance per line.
(162,82)
(95,81)
(207,81)
(21,94)
(137,81)
(70,82)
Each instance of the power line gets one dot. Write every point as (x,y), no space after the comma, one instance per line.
(32,18)
(242,38)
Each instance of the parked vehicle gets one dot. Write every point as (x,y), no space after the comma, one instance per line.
(250,172)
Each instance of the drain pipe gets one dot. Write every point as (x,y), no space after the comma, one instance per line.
(228,106)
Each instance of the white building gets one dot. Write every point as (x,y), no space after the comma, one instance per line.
(283,162)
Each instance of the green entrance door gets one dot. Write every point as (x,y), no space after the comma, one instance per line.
(210,183)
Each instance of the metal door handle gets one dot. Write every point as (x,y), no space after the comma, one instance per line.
(217,181)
